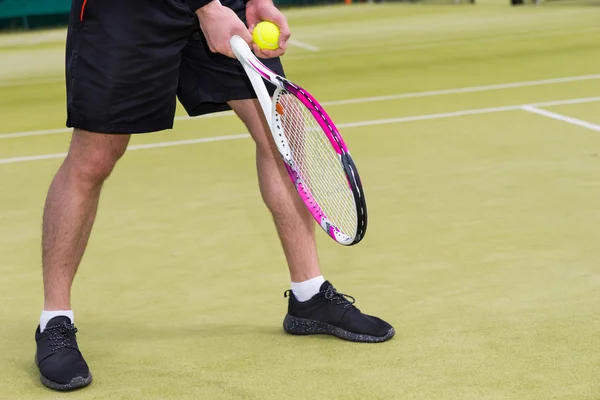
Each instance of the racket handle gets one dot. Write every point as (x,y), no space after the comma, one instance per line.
(242,51)
(240,48)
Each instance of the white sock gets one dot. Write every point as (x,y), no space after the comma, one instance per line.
(307,289)
(48,315)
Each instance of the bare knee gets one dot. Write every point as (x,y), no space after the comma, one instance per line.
(251,114)
(266,150)
(93,156)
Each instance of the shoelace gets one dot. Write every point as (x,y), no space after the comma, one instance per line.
(60,335)
(332,294)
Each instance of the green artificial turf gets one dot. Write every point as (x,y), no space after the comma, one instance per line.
(482,247)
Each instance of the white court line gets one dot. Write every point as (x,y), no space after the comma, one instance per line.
(213,115)
(564,118)
(29,82)
(425,117)
(32,158)
(303,45)
(565,102)
(35,133)
(466,89)
(461,113)
(67,130)
(132,147)
(363,100)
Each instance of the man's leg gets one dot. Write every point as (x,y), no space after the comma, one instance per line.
(69,214)
(211,82)
(315,306)
(294,223)
(122,69)
(71,208)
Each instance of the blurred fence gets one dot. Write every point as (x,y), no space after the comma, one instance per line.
(26,14)
(32,14)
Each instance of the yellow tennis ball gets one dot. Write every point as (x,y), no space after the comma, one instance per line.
(266,35)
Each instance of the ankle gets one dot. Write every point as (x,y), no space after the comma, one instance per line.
(62,303)
(47,315)
(306,289)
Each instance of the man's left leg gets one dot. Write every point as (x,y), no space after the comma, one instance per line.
(314,304)
(212,82)
(294,223)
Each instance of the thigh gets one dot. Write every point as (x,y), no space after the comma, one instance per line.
(123,59)
(208,81)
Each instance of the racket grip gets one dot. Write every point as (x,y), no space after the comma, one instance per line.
(240,48)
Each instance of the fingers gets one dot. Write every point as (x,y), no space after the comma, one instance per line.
(226,51)
(284,35)
(284,32)
(219,24)
(266,11)
(223,46)
(264,53)
(276,17)
(246,35)
(256,50)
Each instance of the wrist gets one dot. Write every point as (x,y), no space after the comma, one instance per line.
(201,7)
(258,2)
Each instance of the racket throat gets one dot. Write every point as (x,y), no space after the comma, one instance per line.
(276,125)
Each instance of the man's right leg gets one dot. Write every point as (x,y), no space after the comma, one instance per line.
(69,214)
(71,208)
(122,69)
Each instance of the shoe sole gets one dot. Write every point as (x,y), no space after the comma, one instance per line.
(76,383)
(301,326)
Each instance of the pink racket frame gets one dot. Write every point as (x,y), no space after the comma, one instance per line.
(253,66)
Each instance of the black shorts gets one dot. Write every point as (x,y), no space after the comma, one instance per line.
(128,60)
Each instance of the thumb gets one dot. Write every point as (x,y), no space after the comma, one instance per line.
(284,37)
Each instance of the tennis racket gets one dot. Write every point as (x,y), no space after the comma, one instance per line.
(313,151)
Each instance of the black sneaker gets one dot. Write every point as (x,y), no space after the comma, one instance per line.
(61,364)
(332,313)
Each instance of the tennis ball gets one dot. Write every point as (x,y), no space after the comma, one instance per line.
(266,35)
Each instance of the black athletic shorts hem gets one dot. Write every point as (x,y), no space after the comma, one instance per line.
(202,109)
(116,129)
(219,106)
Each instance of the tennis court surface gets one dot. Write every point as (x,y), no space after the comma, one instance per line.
(476,130)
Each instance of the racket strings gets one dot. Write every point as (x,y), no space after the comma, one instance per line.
(317,163)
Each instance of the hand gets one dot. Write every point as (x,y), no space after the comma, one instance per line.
(265,10)
(219,24)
